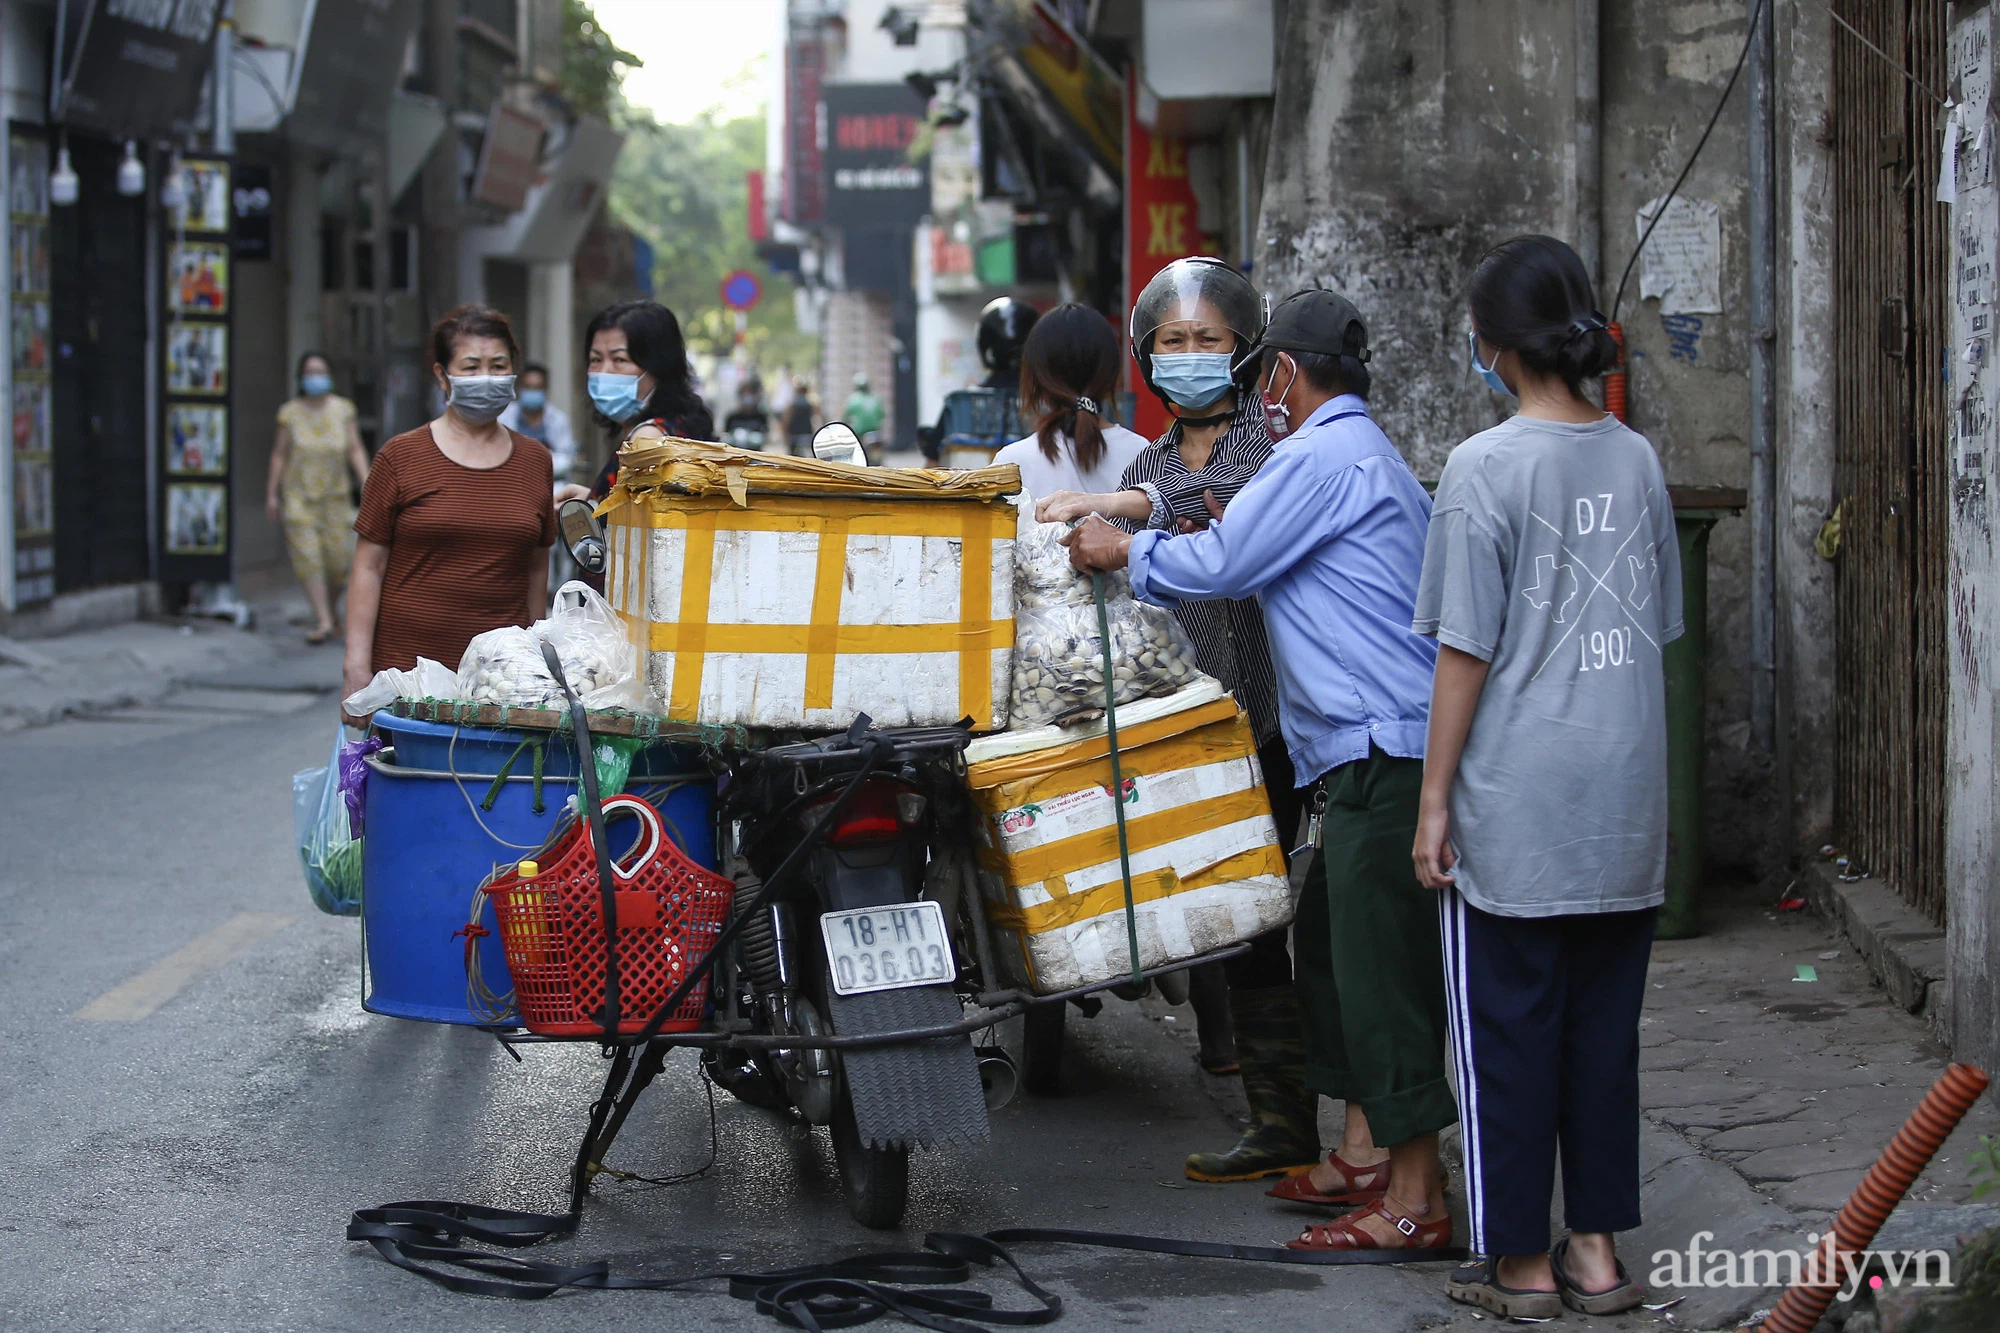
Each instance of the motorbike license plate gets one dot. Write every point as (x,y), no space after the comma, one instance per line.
(887,948)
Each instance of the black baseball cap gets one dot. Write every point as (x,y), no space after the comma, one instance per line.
(1317,321)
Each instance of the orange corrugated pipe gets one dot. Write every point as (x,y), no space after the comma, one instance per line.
(1876,1196)
(1614,378)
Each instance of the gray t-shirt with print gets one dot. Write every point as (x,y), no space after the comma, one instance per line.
(1552,556)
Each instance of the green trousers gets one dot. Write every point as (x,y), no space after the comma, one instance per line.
(1370,973)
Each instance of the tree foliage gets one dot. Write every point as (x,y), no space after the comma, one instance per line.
(592,62)
(684,188)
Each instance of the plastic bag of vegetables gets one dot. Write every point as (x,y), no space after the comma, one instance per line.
(329,852)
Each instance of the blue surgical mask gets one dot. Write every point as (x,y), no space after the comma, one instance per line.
(1487,373)
(481,398)
(534,400)
(1193,379)
(316,385)
(616,396)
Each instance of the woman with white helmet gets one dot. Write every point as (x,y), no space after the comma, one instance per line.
(1193,333)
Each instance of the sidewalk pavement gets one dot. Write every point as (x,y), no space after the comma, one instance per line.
(143,661)
(1764,1100)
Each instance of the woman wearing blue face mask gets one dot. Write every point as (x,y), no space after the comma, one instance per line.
(318,444)
(1193,331)
(640,385)
(455,522)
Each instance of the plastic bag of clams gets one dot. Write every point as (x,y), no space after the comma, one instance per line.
(1058,651)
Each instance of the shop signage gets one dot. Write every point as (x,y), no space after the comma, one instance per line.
(34,553)
(510,159)
(136,67)
(805,61)
(871,181)
(1160,227)
(195,529)
(251,198)
(348,72)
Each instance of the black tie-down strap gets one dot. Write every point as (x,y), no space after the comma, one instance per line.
(430,1240)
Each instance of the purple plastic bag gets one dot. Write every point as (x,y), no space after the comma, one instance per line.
(354,777)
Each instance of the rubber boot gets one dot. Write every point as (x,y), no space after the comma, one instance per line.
(1283,1137)
(1215,1029)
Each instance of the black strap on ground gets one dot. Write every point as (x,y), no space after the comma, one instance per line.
(431,1239)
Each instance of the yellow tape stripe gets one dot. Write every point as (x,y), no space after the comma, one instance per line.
(691,643)
(1083,850)
(1152,886)
(823,637)
(994,520)
(975,607)
(665,637)
(999,774)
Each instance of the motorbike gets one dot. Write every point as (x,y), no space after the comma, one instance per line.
(857,965)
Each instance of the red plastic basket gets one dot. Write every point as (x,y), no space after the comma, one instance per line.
(670,911)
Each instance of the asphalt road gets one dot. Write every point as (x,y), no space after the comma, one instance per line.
(194,1100)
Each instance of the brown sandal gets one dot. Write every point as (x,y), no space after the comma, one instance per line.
(1345,1233)
(1364,1185)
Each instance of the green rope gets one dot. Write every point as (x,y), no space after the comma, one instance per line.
(1117,771)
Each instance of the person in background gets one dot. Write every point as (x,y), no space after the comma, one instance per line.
(533,415)
(748,425)
(1068,372)
(1004,328)
(455,520)
(318,444)
(1192,330)
(864,412)
(1551,583)
(799,419)
(640,384)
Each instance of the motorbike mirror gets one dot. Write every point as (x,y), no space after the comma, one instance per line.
(583,534)
(836,442)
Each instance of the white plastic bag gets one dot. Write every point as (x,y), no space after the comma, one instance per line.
(505,666)
(1058,650)
(427,680)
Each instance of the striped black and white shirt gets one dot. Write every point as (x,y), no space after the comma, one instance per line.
(1228,636)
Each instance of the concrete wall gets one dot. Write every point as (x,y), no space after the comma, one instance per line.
(1409,136)
(1972,818)
(1805,686)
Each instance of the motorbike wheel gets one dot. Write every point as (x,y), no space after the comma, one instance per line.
(1042,1049)
(877,1180)
(737,1074)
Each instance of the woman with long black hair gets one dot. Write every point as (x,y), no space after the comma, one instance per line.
(1551,583)
(640,384)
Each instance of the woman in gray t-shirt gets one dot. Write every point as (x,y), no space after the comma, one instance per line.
(1552,583)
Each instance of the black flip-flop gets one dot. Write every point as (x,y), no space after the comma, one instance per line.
(1475,1283)
(1624,1296)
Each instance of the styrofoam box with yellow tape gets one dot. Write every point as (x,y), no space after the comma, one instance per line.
(796,593)
(1207,871)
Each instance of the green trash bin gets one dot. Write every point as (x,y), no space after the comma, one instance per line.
(1686,667)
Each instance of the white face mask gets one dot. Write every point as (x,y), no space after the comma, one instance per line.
(481,398)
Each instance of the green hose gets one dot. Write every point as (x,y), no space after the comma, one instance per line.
(1117,771)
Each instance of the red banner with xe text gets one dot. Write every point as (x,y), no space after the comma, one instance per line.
(1161,225)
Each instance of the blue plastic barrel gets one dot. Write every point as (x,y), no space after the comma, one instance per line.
(428,847)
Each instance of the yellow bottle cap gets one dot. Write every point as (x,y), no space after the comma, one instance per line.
(528,869)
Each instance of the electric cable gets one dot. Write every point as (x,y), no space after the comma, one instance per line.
(1756,17)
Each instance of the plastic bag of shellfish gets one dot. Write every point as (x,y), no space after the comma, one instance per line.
(1058,650)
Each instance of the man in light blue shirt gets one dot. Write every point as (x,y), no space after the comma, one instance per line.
(1329,536)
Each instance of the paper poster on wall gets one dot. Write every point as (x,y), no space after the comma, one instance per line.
(31,418)
(198,277)
(31,336)
(1682,263)
(197,439)
(28,352)
(197,522)
(198,358)
(205,185)
(34,498)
